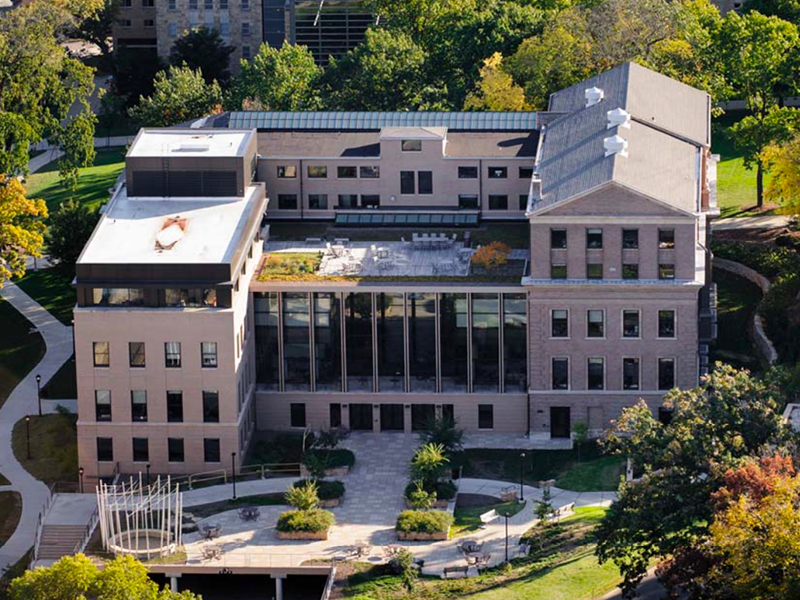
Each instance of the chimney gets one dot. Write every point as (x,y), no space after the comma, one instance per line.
(593,96)
(619,117)
(616,145)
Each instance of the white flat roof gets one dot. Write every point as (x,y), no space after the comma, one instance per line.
(190,143)
(196,231)
(413,133)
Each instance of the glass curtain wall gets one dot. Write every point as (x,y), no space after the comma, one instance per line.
(327,342)
(515,338)
(358,339)
(267,357)
(391,347)
(453,324)
(485,343)
(296,342)
(422,342)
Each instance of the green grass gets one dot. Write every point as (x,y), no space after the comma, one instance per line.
(93,182)
(54,447)
(20,349)
(10,512)
(63,385)
(206,510)
(468,519)
(52,288)
(736,303)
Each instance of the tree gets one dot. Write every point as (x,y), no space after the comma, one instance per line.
(135,71)
(445,432)
(284,78)
(70,227)
(96,27)
(783,162)
(303,497)
(21,228)
(204,49)
(180,95)
(416,18)
(788,10)
(496,89)
(429,465)
(754,478)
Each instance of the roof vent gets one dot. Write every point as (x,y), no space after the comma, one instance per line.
(619,117)
(616,145)
(193,147)
(593,96)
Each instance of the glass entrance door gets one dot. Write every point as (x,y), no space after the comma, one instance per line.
(392,417)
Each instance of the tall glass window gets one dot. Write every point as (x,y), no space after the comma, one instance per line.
(358,336)
(296,342)
(327,341)
(267,361)
(454,342)
(485,343)
(515,342)
(422,342)
(391,347)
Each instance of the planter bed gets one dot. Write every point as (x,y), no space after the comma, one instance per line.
(423,525)
(303,535)
(419,536)
(333,503)
(438,505)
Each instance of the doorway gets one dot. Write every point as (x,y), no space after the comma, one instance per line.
(392,418)
(361,417)
(559,422)
(422,415)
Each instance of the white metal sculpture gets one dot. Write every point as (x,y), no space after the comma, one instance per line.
(143,521)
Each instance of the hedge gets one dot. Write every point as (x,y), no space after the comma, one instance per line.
(424,521)
(315,520)
(338,457)
(326,490)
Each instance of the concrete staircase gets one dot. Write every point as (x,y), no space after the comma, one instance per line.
(66,522)
(59,540)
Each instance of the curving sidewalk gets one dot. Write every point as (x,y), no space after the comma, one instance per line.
(21,402)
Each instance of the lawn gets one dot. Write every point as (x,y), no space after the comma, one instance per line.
(63,385)
(737,300)
(54,447)
(20,348)
(10,512)
(93,182)
(468,514)
(52,288)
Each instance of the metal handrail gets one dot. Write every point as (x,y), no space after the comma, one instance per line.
(37,538)
(263,471)
(87,533)
(326,593)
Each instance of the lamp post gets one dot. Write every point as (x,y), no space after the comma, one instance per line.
(521,477)
(28,435)
(506,516)
(80,474)
(39,392)
(233,472)
(147,466)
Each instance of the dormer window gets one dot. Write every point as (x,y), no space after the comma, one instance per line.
(411,145)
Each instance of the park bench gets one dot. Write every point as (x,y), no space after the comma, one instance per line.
(461,571)
(488,517)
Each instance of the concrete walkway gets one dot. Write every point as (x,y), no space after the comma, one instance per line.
(760,222)
(21,402)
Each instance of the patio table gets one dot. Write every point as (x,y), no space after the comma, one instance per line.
(211,530)
(249,513)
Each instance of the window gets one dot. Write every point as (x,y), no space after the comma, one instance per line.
(594,271)
(208,355)
(425,182)
(318,201)
(172,29)
(287,201)
(101,354)
(136,355)
(150,3)
(595,326)
(411,145)
(498,172)
(630,239)
(485,416)
(118,296)
(172,355)
(595,370)
(560,373)
(172,5)
(105,449)
(175,450)
(246,52)
(467,172)
(498,202)
(666,271)
(245,5)
(348,201)
(102,405)
(523,201)
(317,172)
(665,415)
(558,239)
(287,172)
(467,201)
(666,239)
(211,452)
(139,406)
(126,3)
(149,23)
(526,172)
(210,406)
(346,172)
(666,323)
(594,239)
(406,182)
(192,4)
(666,373)
(370,172)
(370,201)
(559,323)
(245,29)
(190,297)
(223,4)
(141,450)
(630,324)
(125,23)
(558,271)
(174,406)
(297,414)
(630,373)
(630,271)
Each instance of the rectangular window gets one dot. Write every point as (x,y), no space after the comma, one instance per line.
(175,451)
(630,271)
(125,23)
(411,145)
(139,406)
(245,29)
(348,201)
(149,3)
(246,52)
(666,324)
(595,326)
(101,354)
(317,172)
(485,416)
(190,297)
(523,201)
(174,406)
(630,324)
(346,172)
(287,172)
(118,297)
(297,414)
(192,4)
(245,5)
(102,405)
(594,271)
(172,5)
(370,172)
(560,374)
(318,201)
(558,271)
(370,201)
(172,355)
(526,172)
(425,182)
(498,172)
(287,201)
(558,239)
(666,239)
(630,239)
(105,449)
(665,415)
(211,451)
(209,4)
(666,373)
(210,406)
(129,3)
(498,202)
(630,373)
(595,371)
(149,23)
(594,239)
(666,271)
(141,450)
(559,323)
(467,172)
(208,355)
(407,182)
(223,4)
(468,201)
